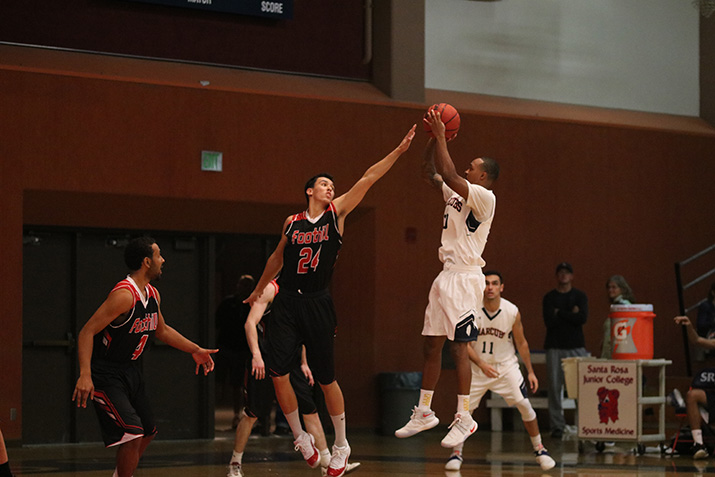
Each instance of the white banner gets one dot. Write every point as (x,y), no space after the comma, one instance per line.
(608,400)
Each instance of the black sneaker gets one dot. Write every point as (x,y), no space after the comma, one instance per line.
(699,451)
(557,433)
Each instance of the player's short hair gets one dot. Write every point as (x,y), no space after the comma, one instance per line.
(494,272)
(491,167)
(137,250)
(311,183)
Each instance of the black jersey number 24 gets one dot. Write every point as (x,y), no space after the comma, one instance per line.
(308,259)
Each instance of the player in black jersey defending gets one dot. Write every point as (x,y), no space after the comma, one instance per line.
(303,312)
(108,346)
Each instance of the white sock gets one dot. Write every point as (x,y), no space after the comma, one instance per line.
(458,449)
(236,458)
(341,439)
(536,442)
(425,401)
(463,403)
(293,419)
(325,458)
(697,435)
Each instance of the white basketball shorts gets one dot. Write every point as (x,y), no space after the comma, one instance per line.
(510,384)
(455,296)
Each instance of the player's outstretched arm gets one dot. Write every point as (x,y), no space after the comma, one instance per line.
(167,334)
(443,161)
(117,303)
(692,334)
(201,356)
(349,200)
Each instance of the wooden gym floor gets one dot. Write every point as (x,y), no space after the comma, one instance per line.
(503,454)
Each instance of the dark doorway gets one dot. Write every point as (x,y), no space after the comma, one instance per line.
(236,256)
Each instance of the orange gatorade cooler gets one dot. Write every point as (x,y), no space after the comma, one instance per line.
(632,331)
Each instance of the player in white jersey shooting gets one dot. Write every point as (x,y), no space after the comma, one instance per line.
(495,366)
(456,293)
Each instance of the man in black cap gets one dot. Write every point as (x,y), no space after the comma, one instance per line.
(565,311)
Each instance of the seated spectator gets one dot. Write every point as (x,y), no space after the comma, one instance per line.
(702,392)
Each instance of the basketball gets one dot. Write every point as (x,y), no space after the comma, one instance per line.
(450,118)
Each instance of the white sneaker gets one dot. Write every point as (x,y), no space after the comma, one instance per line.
(454,462)
(305,443)
(544,459)
(421,420)
(339,461)
(462,427)
(351,466)
(234,470)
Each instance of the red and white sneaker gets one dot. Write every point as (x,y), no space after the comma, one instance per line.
(339,461)
(305,443)
(421,420)
(351,466)
(462,427)
(234,470)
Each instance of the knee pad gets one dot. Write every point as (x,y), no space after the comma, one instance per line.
(526,410)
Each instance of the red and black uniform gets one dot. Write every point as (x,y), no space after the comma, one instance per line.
(303,312)
(122,407)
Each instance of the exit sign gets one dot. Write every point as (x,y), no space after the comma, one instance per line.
(211,161)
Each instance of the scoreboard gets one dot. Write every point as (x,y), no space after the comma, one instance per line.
(280,9)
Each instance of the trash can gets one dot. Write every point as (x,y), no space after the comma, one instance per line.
(399,393)
(632,331)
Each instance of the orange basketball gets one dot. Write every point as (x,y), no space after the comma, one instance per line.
(450,118)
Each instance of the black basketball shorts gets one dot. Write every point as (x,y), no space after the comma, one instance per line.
(121,404)
(298,320)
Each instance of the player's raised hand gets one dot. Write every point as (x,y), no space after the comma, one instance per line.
(407,140)
(83,390)
(433,119)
